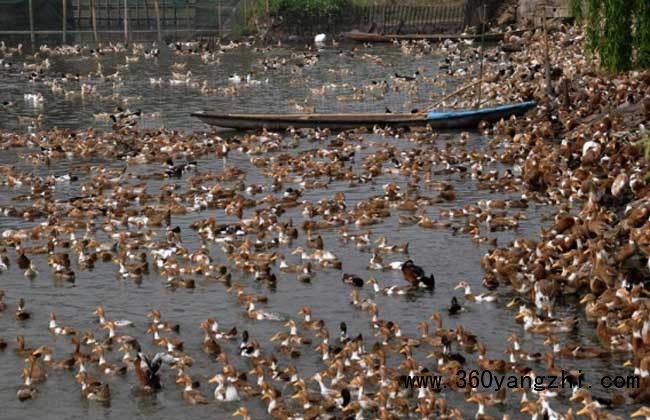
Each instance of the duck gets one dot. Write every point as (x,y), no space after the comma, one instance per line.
(22,349)
(243,412)
(101,315)
(388,291)
(481,297)
(155,315)
(308,323)
(260,315)
(93,389)
(415,275)
(21,313)
(275,408)
(533,324)
(190,395)
(46,353)
(382,246)
(26,391)
(352,279)
(31,271)
(225,391)
(58,330)
(147,371)
(104,366)
(455,307)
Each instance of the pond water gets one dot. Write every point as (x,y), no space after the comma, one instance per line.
(451,257)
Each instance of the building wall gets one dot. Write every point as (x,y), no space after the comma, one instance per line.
(531,11)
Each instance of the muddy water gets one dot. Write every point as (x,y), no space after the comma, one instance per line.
(451,257)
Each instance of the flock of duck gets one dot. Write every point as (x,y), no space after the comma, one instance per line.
(576,155)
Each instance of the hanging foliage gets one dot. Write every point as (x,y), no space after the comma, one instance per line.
(616,50)
(642,33)
(593,24)
(576,10)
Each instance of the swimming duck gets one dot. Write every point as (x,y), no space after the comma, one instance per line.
(415,275)
(392,290)
(190,395)
(21,313)
(455,307)
(226,390)
(93,389)
(382,246)
(533,324)
(26,391)
(243,412)
(58,330)
(101,315)
(154,314)
(147,370)
(259,315)
(481,297)
(353,280)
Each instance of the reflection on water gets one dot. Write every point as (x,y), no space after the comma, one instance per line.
(451,257)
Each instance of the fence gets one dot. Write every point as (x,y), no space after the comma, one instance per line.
(163,20)
(123,20)
(414,19)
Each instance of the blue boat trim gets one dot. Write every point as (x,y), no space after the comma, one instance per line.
(473,112)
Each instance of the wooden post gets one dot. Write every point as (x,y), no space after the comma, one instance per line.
(156,4)
(93,17)
(32,35)
(126,22)
(480,75)
(64,23)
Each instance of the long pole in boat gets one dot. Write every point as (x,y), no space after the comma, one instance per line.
(126,22)
(93,16)
(480,74)
(64,24)
(156,4)
(32,35)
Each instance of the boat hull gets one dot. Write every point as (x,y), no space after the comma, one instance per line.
(436,120)
(371,37)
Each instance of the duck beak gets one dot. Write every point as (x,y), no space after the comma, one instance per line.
(584,300)
(512,303)
(212,380)
(627,363)
(520,315)
(458,286)
(583,411)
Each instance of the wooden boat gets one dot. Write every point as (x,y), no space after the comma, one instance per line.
(372,37)
(469,118)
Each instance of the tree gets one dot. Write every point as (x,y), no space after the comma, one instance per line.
(616,48)
(642,33)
